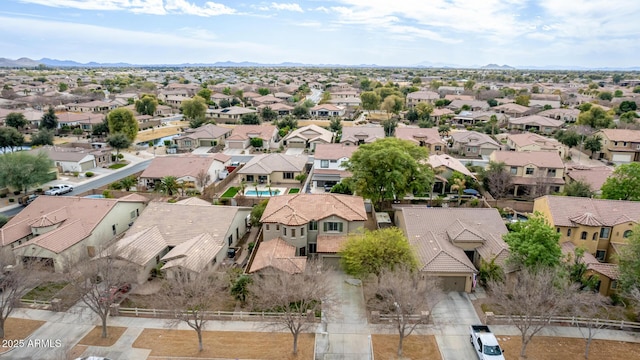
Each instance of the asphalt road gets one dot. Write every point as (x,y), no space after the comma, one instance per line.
(94,183)
(315,95)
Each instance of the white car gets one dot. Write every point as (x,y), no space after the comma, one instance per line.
(59,189)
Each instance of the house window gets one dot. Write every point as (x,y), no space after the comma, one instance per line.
(302,231)
(278,227)
(551,172)
(313,225)
(614,284)
(568,232)
(438,148)
(558,230)
(113,229)
(187,143)
(600,255)
(324,164)
(133,214)
(230,239)
(583,235)
(604,233)
(287,175)
(293,232)
(214,261)
(627,233)
(333,226)
(303,251)
(333,161)
(250,178)
(266,227)
(284,231)
(529,171)
(514,170)
(595,236)
(312,248)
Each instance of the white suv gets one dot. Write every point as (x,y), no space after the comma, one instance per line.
(59,189)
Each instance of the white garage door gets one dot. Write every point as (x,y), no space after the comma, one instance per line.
(621,158)
(235,144)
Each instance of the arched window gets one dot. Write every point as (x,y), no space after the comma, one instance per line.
(594,237)
(627,233)
(583,235)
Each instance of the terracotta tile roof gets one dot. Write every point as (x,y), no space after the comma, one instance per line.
(311,133)
(265,164)
(369,133)
(298,209)
(473,138)
(327,107)
(244,132)
(329,244)
(566,210)
(194,254)
(544,159)
(178,166)
(61,238)
(416,134)
(510,107)
(536,120)
(526,139)
(208,131)
(449,162)
(609,270)
(193,201)
(333,151)
(433,231)
(423,95)
(140,247)
(278,254)
(622,135)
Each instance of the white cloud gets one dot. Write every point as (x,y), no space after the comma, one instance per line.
(209,9)
(286,6)
(153,7)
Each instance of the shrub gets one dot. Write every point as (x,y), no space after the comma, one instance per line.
(250,246)
(167,142)
(150,143)
(17,192)
(89,174)
(115,186)
(3,196)
(474,203)
(171,201)
(113,157)
(39,190)
(12,200)
(76,173)
(107,194)
(120,156)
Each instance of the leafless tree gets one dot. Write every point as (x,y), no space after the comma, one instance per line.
(403,293)
(203,178)
(531,299)
(296,296)
(592,308)
(498,180)
(190,298)
(98,281)
(15,282)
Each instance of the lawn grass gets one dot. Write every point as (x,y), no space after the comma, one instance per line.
(117,166)
(231,192)
(94,337)
(293,191)
(45,292)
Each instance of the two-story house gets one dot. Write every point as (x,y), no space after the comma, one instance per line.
(314,223)
(473,144)
(274,169)
(328,164)
(535,142)
(620,146)
(426,137)
(358,135)
(533,173)
(417,97)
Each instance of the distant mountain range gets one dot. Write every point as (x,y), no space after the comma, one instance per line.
(29,63)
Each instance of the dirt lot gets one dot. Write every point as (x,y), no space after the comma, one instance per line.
(156,133)
(224,344)
(18,329)
(415,347)
(549,348)
(93,338)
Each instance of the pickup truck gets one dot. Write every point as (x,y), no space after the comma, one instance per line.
(485,343)
(27,199)
(59,189)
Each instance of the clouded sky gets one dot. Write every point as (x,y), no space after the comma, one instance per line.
(589,33)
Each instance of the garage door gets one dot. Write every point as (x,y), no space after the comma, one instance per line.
(86,165)
(331,261)
(296,144)
(621,158)
(453,283)
(235,144)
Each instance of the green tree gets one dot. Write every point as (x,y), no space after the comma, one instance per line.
(288,122)
(569,138)
(389,126)
(533,243)
(123,121)
(492,102)
(594,144)
(49,120)
(263,91)
(326,97)
(197,122)
(618,93)
(101,128)
(392,104)
(300,111)
(412,115)
(624,183)
(168,185)
(193,108)
(224,103)
(16,120)
(595,117)
(42,137)
(616,78)
(22,170)
(490,271)
(374,251)
(62,87)
(257,211)
(10,138)
(147,105)
(424,110)
(335,124)
(629,265)
(250,119)
(469,84)
(268,114)
(256,142)
(629,117)
(389,169)
(624,107)
(118,141)
(128,182)
(205,94)
(578,188)
(605,95)
(78,132)
(370,100)
(493,123)
(523,100)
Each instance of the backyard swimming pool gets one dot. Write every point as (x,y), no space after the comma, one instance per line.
(264,192)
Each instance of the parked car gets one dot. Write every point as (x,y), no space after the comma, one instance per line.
(59,189)
(115,293)
(27,199)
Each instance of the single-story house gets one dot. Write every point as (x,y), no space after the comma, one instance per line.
(69,159)
(186,168)
(427,137)
(357,135)
(308,137)
(326,110)
(242,134)
(274,169)
(473,143)
(536,123)
(535,142)
(233,112)
(206,135)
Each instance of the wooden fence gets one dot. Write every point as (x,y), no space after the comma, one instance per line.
(569,321)
(213,315)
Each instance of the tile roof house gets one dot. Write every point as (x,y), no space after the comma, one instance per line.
(182,237)
(274,169)
(59,229)
(186,168)
(326,110)
(417,97)
(314,223)
(279,255)
(308,137)
(620,146)
(473,144)
(513,110)
(68,159)
(232,113)
(427,137)
(86,121)
(535,123)
(533,173)
(358,135)
(450,242)
(444,166)
(280,108)
(594,176)
(96,106)
(534,142)
(607,274)
(242,134)
(566,115)
(596,225)
(206,135)
(328,162)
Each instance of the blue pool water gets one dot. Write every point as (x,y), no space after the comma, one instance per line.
(261,192)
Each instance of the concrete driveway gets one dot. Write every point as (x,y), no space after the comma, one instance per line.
(452,317)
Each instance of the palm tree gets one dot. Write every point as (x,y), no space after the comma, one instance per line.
(169,185)
(243,186)
(269,188)
(128,182)
(255,186)
(459,184)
